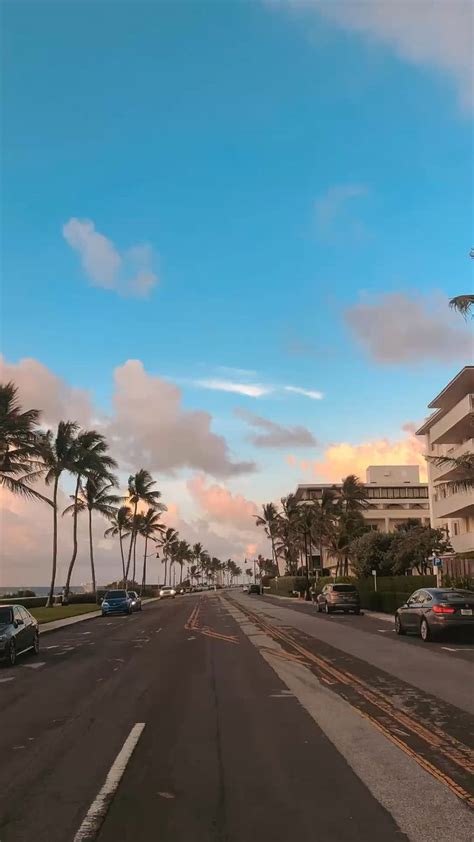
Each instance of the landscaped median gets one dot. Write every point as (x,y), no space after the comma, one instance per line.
(62,612)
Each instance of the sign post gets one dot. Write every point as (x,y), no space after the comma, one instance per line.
(374,574)
(438,567)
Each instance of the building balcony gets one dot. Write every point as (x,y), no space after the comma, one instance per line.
(455,425)
(446,472)
(448,505)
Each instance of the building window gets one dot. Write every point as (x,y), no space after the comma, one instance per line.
(456,527)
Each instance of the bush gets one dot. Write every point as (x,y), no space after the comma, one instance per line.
(465,583)
(26,601)
(286,585)
(385,601)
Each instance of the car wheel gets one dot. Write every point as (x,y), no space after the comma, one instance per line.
(36,644)
(327,609)
(425,632)
(11,654)
(398,625)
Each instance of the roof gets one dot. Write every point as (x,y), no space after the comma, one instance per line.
(459,386)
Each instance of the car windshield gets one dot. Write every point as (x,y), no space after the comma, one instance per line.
(5,616)
(115,595)
(344,589)
(456,596)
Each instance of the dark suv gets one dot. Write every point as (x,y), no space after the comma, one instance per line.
(254,589)
(338,597)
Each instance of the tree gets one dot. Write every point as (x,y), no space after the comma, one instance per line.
(289,543)
(168,543)
(89,455)
(463,304)
(96,495)
(148,526)
(249,573)
(462,472)
(342,532)
(140,490)
(353,494)
(121,526)
(20,461)
(269,519)
(370,552)
(413,546)
(182,555)
(57,454)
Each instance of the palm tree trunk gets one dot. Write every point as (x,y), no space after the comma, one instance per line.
(55,541)
(129,558)
(134,558)
(144,566)
(123,559)
(91,552)
(165,561)
(74,541)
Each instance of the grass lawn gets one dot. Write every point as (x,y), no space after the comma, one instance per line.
(59,612)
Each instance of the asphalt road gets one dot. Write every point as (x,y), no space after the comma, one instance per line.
(196,721)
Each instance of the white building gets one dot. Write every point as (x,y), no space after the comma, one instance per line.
(450,432)
(394,493)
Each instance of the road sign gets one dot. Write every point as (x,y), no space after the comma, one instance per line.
(437,562)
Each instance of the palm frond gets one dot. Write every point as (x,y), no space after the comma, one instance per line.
(463,304)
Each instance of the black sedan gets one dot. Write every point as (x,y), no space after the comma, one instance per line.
(18,633)
(431,611)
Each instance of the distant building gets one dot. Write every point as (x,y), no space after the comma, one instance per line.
(450,432)
(394,493)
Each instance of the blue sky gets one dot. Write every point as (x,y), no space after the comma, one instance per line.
(283,164)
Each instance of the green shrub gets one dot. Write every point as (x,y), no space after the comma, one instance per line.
(385,601)
(286,585)
(26,601)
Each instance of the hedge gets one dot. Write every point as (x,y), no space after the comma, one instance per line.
(385,601)
(26,601)
(286,585)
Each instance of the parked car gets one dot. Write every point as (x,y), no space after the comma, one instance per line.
(245,588)
(167,592)
(136,601)
(338,597)
(254,589)
(431,611)
(19,633)
(116,602)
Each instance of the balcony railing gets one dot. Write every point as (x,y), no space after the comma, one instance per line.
(448,471)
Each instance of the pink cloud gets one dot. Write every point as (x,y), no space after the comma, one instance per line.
(40,388)
(221,506)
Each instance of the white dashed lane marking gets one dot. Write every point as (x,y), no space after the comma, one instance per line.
(34,666)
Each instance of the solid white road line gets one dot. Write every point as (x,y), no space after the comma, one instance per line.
(98,809)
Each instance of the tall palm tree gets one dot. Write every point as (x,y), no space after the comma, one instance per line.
(96,495)
(269,519)
(140,490)
(89,455)
(183,556)
(197,550)
(20,462)
(148,527)
(168,542)
(121,526)
(57,455)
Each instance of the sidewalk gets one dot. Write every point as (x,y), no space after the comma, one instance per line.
(70,621)
(374,615)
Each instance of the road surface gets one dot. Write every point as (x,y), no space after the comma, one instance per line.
(228,718)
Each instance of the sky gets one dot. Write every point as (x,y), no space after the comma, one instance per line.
(229,236)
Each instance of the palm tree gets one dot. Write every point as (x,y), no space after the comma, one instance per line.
(149,525)
(183,555)
(269,519)
(248,572)
(324,513)
(353,494)
(463,304)
(20,462)
(462,472)
(89,455)
(96,496)
(57,454)
(140,490)
(168,542)
(121,526)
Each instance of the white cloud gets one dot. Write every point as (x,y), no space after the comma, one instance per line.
(308,393)
(430,33)
(252,390)
(331,206)
(401,328)
(129,273)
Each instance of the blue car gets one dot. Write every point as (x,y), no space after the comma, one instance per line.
(116,602)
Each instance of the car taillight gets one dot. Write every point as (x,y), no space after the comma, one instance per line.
(443,609)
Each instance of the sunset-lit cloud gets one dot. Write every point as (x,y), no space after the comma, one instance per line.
(343,458)
(221,506)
